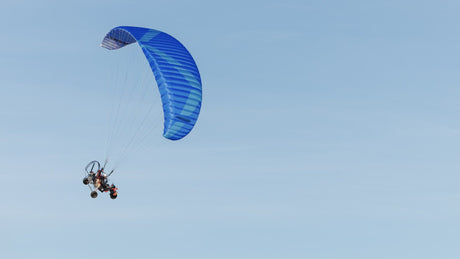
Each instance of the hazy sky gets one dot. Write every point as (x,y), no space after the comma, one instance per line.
(329,129)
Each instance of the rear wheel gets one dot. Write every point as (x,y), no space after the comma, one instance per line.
(113,195)
(85,181)
(93,194)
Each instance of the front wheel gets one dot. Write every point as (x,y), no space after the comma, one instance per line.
(85,181)
(93,194)
(113,196)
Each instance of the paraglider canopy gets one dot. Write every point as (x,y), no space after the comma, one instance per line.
(175,72)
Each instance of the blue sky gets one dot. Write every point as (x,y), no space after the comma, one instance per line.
(329,129)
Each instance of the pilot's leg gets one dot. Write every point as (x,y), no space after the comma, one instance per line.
(97,184)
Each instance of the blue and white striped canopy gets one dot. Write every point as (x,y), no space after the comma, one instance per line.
(175,71)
